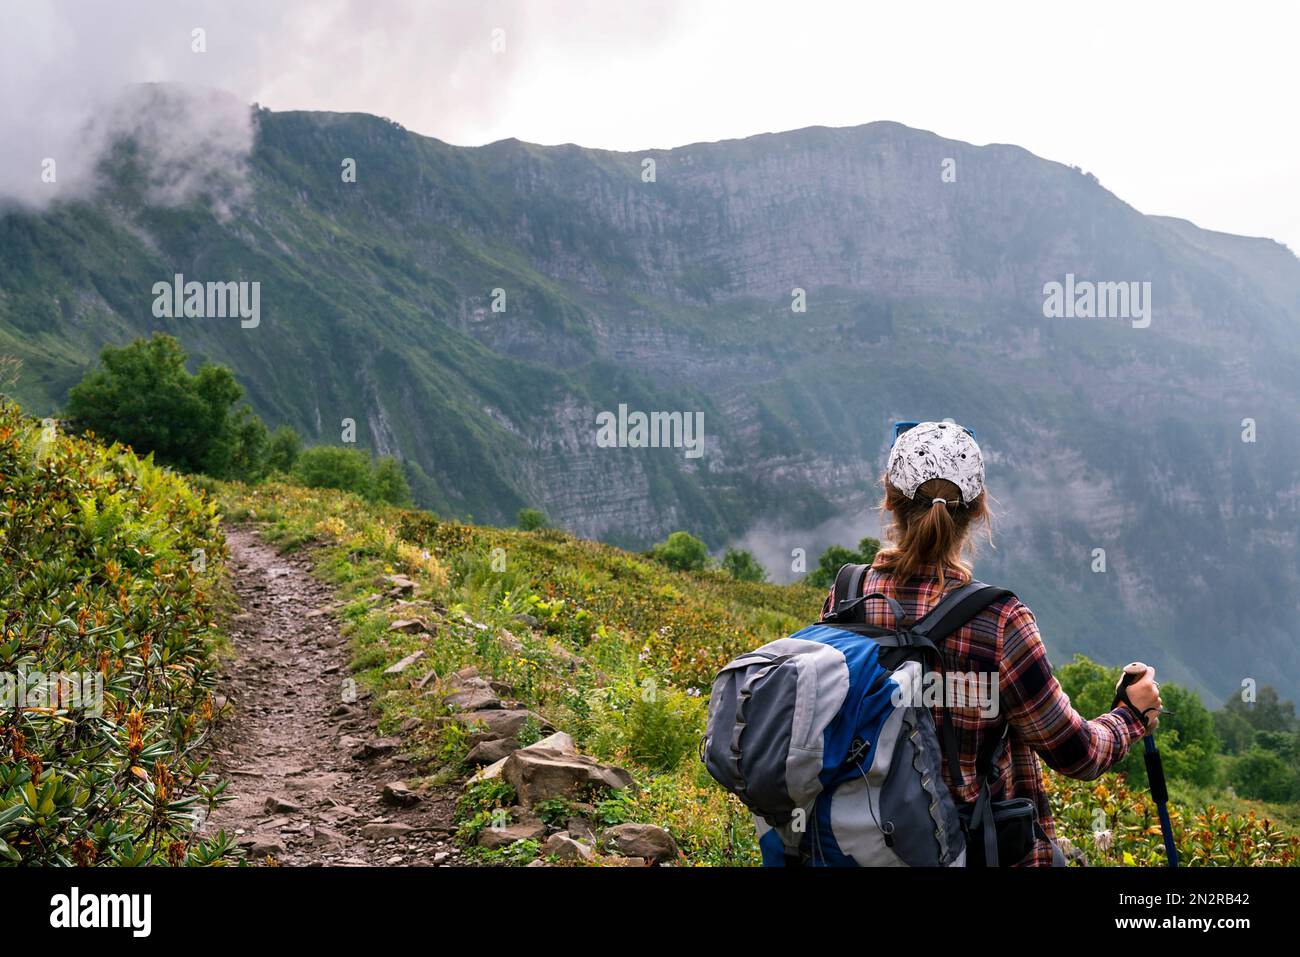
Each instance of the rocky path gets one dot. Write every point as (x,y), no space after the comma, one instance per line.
(312,781)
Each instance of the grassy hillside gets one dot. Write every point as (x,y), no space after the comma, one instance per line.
(618,651)
(112,572)
(109,579)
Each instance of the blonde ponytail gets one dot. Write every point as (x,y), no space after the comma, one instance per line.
(932,528)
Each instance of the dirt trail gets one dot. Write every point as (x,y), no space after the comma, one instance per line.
(307,769)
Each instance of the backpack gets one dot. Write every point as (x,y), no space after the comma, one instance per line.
(806,732)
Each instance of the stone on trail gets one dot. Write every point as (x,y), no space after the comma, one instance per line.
(382,830)
(539,774)
(564,847)
(580,829)
(408,625)
(559,741)
(280,805)
(490,752)
(497,837)
(398,794)
(375,748)
(399,667)
(466,691)
(260,845)
(401,585)
(502,722)
(474,699)
(641,840)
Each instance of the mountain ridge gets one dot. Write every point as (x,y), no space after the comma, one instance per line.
(924,300)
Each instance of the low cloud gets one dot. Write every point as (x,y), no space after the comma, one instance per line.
(773,545)
(71,76)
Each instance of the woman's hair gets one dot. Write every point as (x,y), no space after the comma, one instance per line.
(923,531)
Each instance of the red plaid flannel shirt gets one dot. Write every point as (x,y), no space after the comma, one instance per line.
(1004,639)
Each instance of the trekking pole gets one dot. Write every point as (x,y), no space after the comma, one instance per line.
(1155,772)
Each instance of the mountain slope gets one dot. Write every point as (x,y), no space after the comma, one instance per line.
(924,300)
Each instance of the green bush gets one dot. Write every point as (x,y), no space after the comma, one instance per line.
(109,567)
(823,576)
(1263,776)
(330,466)
(351,470)
(388,483)
(683,552)
(283,450)
(143,396)
(743,566)
(531,519)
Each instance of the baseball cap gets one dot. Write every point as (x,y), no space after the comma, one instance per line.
(936,450)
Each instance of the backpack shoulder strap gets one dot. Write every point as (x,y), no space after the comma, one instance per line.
(957,608)
(848,586)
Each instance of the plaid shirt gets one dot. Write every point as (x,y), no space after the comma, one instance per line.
(1004,639)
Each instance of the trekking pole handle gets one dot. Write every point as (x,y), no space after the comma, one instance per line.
(1121,695)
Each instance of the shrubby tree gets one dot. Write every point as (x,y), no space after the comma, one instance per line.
(1234,731)
(143,396)
(249,446)
(388,483)
(823,576)
(743,566)
(1263,776)
(283,450)
(351,470)
(531,519)
(332,466)
(682,551)
(1268,712)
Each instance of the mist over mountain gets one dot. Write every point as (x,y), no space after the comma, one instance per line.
(475,309)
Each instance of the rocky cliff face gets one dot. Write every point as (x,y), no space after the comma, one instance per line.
(475,309)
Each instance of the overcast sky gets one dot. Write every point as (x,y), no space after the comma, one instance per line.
(1179,108)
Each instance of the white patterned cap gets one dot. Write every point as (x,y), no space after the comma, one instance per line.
(937,450)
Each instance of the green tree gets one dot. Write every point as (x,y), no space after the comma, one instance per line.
(249,445)
(1234,731)
(283,450)
(1089,686)
(1281,743)
(1263,776)
(682,551)
(143,396)
(331,466)
(531,519)
(823,576)
(743,566)
(1268,712)
(1187,737)
(388,483)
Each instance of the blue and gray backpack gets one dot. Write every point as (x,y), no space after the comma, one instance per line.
(823,736)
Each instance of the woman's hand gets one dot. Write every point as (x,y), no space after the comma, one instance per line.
(1143,693)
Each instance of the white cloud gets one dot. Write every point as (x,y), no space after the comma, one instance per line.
(1179,108)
